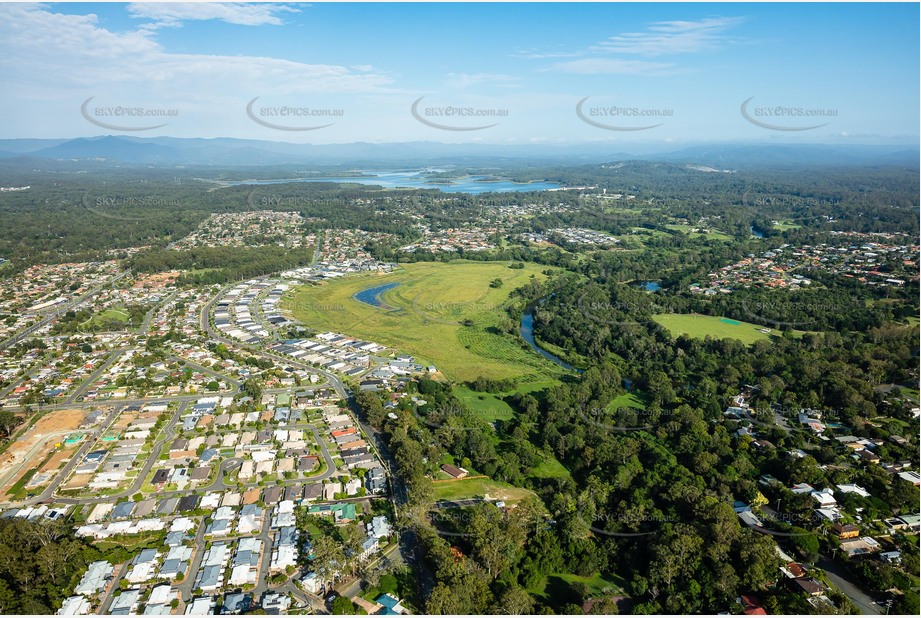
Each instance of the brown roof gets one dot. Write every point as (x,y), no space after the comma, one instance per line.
(251,496)
(809,585)
(453,470)
(796,569)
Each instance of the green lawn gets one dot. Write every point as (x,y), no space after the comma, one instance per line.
(479,488)
(488,406)
(550,468)
(713,234)
(642,231)
(598,586)
(430,305)
(109,315)
(627,400)
(700,326)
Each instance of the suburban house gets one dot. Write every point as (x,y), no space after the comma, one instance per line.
(846,531)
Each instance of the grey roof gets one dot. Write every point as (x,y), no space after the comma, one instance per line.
(250,509)
(171,567)
(313,491)
(123,602)
(145,507)
(174,539)
(218,525)
(146,555)
(187,503)
(209,577)
(168,506)
(286,536)
(248,558)
(94,579)
(122,510)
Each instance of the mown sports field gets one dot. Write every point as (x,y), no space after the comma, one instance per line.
(701,326)
(445,314)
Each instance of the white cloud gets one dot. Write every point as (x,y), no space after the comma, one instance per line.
(535,54)
(671,37)
(172,14)
(465,80)
(611,66)
(52,62)
(41,50)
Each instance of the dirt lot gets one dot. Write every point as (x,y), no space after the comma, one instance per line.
(157,280)
(58,459)
(78,481)
(124,419)
(36,443)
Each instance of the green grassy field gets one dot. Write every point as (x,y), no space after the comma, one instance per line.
(430,305)
(701,326)
(479,488)
(713,235)
(642,231)
(598,586)
(112,314)
(550,468)
(488,406)
(627,400)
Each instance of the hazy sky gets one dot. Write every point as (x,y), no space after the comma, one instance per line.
(687,68)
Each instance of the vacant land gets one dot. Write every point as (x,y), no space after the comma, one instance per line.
(550,468)
(701,326)
(58,459)
(463,489)
(36,443)
(557,585)
(490,407)
(446,314)
(627,400)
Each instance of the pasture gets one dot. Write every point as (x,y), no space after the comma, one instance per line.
(444,314)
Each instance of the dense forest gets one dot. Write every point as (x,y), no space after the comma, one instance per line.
(40,563)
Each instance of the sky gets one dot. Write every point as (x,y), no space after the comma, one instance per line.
(509,73)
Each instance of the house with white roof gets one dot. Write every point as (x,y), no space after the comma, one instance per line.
(75,606)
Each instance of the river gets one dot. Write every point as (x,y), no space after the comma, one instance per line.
(527,333)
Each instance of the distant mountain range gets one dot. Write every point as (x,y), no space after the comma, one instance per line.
(241,152)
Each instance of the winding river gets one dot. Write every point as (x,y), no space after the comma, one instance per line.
(527,333)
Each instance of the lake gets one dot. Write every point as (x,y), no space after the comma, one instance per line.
(649,286)
(372,296)
(417,179)
(757,233)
